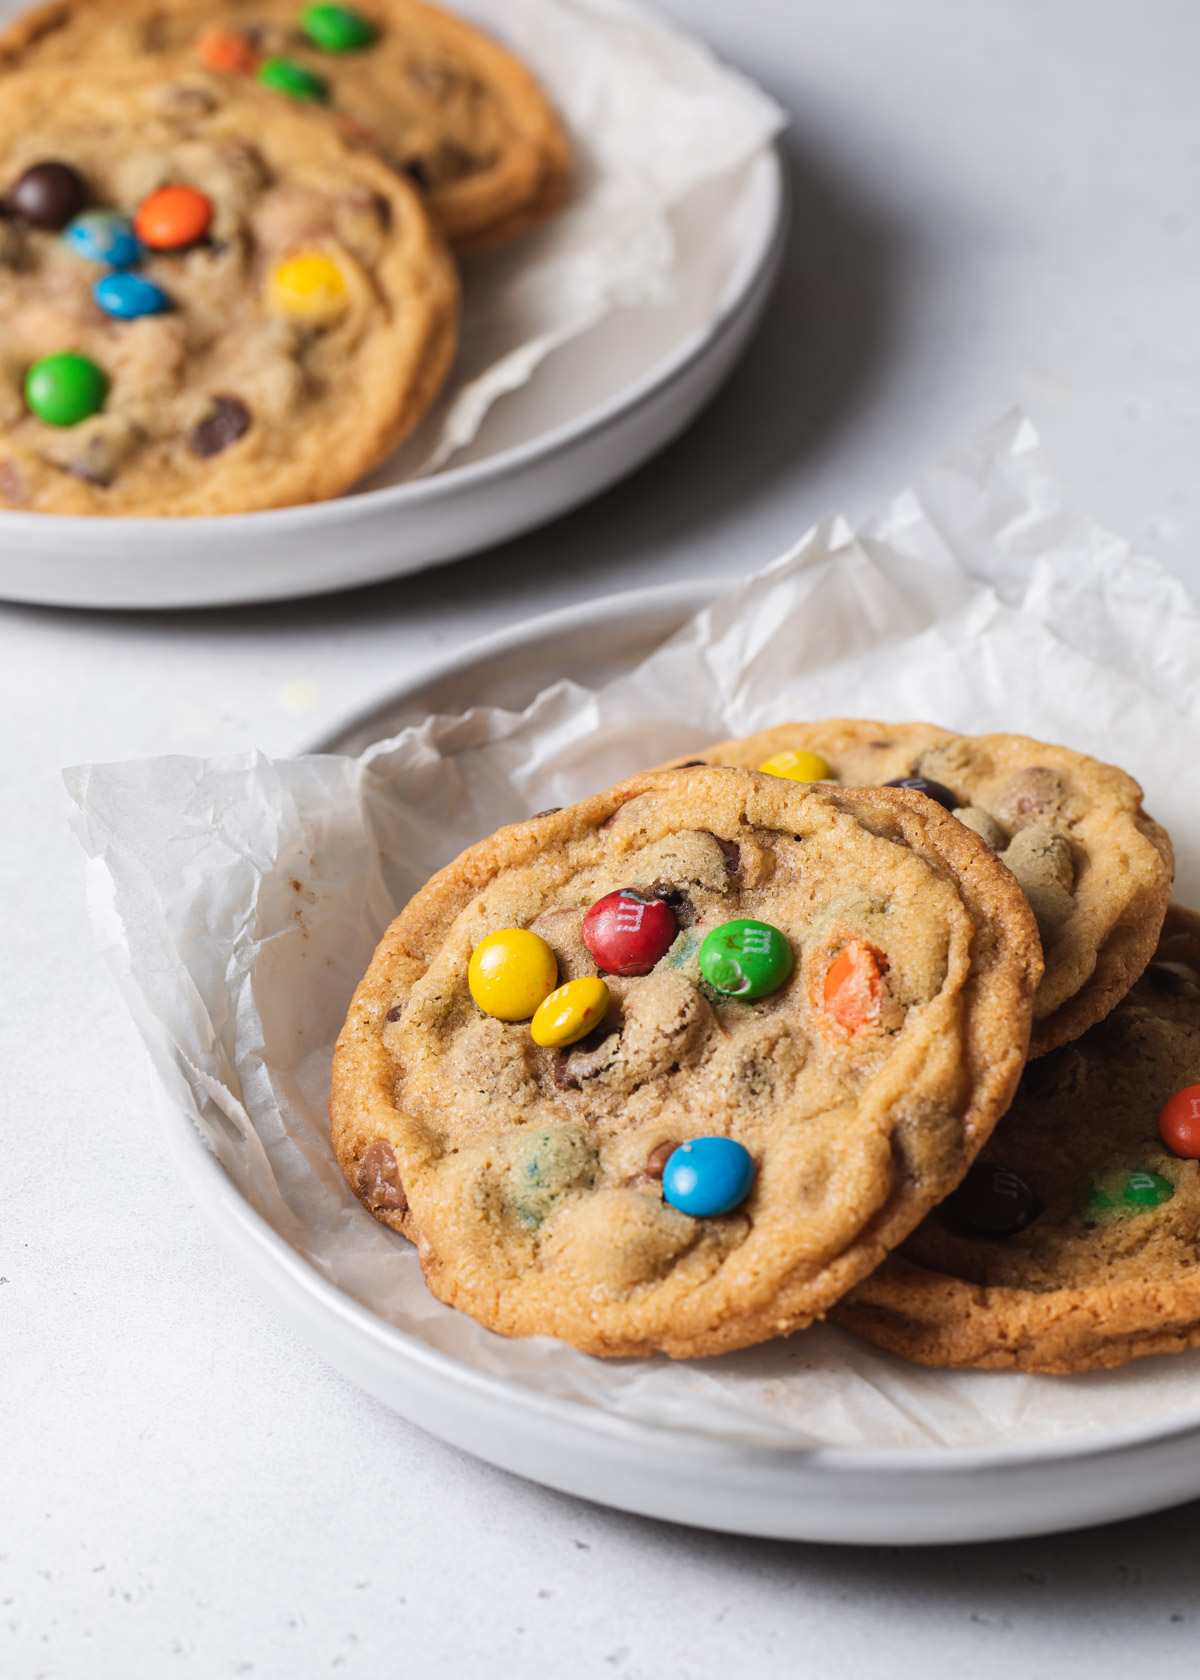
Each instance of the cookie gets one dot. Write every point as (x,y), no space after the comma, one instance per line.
(208,302)
(1074,1243)
(1097,870)
(440,102)
(786,1019)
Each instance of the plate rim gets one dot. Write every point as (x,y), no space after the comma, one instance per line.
(304,1280)
(755,268)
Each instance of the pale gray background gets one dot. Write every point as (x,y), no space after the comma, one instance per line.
(996,202)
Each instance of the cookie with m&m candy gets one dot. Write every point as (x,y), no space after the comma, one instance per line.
(614,1059)
(209,303)
(1073,1244)
(441,102)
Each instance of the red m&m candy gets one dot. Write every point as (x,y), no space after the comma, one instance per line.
(1179,1123)
(628,934)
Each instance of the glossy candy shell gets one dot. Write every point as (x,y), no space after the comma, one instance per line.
(101,236)
(708,1176)
(129,296)
(66,389)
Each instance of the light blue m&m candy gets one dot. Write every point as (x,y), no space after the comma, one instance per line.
(128,296)
(708,1176)
(104,237)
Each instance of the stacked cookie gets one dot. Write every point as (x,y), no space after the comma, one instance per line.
(226,280)
(853,1019)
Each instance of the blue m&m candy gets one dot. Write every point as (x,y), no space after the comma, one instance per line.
(128,296)
(708,1176)
(104,237)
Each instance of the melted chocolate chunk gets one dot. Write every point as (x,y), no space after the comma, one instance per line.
(229,420)
(550,811)
(395,1012)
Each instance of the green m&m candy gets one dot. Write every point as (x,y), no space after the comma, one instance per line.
(284,75)
(745,959)
(336,29)
(64,389)
(1119,1191)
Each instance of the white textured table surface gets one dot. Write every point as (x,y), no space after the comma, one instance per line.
(996,203)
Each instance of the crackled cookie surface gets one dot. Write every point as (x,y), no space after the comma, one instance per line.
(1097,870)
(827,993)
(1075,1241)
(208,303)
(440,102)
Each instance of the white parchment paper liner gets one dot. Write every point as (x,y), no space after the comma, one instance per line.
(651,115)
(240,899)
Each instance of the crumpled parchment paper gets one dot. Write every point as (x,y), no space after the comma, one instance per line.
(652,115)
(240,899)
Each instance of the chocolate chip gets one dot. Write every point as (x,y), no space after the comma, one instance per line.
(550,811)
(991,1202)
(48,195)
(229,420)
(419,174)
(395,1012)
(733,853)
(880,746)
(692,764)
(379,1183)
(563,1077)
(937,791)
(657,1160)
(678,902)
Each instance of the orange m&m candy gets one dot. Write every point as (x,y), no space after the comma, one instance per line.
(227,50)
(172,218)
(1179,1123)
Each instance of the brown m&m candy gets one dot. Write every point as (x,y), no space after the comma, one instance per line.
(937,791)
(992,1202)
(48,195)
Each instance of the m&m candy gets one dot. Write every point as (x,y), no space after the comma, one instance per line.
(227,50)
(284,75)
(796,767)
(992,1202)
(128,296)
(937,791)
(745,958)
(708,1176)
(64,389)
(1179,1123)
(1119,1190)
(569,1013)
(309,286)
(511,972)
(336,29)
(852,989)
(47,195)
(103,237)
(627,934)
(173,218)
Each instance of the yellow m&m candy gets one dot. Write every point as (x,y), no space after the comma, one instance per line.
(796,767)
(570,1013)
(511,972)
(311,287)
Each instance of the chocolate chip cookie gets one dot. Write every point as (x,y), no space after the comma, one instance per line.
(1096,869)
(673,1068)
(1074,1243)
(208,302)
(439,101)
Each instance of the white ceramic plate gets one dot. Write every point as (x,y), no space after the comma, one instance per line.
(597,408)
(895,1496)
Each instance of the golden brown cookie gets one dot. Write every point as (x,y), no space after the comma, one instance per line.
(1074,1243)
(439,101)
(1097,870)
(852,1055)
(297,335)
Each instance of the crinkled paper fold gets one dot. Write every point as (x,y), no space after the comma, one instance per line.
(240,899)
